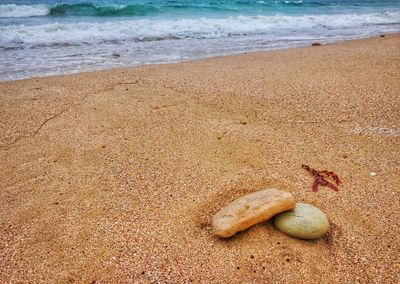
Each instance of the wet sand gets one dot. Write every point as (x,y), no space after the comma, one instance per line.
(114,176)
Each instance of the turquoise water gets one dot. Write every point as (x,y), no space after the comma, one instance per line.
(45,37)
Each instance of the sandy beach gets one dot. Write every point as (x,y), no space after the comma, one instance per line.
(114,176)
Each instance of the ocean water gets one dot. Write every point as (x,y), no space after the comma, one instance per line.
(49,37)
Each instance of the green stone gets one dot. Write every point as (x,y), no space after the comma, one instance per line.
(304,222)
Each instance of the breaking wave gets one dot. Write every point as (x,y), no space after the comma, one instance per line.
(80,9)
(199,28)
(110,10)
(88,9)
(23,11)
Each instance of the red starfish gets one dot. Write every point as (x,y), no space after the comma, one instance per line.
(319,178)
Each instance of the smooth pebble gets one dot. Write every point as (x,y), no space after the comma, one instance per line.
(304,222)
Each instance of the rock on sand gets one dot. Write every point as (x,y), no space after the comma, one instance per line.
(304,222)
(249,210)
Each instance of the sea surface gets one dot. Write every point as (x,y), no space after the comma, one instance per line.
(49,37)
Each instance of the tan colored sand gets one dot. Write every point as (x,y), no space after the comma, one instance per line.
(114,176)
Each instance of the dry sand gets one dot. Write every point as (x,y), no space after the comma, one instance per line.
(113,177)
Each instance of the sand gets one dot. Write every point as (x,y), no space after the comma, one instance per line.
(114,176)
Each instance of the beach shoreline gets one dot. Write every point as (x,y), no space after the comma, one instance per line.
(194,59)
(113,176)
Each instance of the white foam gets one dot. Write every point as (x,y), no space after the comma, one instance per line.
(295,2)
(186,28)
(22,11)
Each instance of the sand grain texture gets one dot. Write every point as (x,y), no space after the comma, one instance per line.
(114,176)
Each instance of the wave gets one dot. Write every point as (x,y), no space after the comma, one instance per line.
(110,10)
(80,9)
(296,3)
(199,28)
(23,11)
(305,4)
(88,9)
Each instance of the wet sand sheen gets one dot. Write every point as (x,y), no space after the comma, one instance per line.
(114,176)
